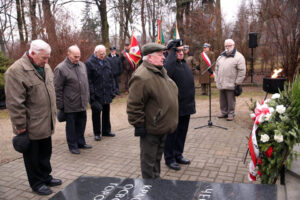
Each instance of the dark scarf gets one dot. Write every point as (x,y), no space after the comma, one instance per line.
(232,54)
(39,69)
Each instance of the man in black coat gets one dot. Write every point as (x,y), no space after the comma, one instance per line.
(117,66)
(179,71)
(102,91)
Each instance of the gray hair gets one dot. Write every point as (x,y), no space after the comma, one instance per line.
(98,47)
(39,45)
(230,41)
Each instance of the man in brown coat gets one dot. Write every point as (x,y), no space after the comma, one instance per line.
(152,108)
(204,79)
(30,100)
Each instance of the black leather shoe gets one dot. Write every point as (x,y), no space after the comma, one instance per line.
(43,190)
(183,161)
(97,137)
(75,151)
(54,182)
(86,146)
(110,134)
(174,166)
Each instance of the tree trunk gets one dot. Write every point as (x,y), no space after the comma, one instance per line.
(143,22)
(179,17)
(219,26)
(24,22)
(32,11)
(121,22)
(20,23)
(101,4)
(49,23)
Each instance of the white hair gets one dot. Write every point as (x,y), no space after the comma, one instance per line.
(229,41)
(98,47)
(146,56)
(39,45)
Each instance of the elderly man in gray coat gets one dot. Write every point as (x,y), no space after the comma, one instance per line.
(230,72)
(72,97)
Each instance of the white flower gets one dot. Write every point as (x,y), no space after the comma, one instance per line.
(275,96)
(268,116)
(280,109)
(271,109)
(278,138)
(264,138)
(267,101)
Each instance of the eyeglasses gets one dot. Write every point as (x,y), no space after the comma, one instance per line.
(227,46)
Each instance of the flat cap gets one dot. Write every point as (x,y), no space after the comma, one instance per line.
(152,47)
(205,45)
(21,142)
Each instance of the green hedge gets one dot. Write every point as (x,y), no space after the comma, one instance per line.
(4,64)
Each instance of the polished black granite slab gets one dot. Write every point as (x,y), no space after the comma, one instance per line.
(107,188)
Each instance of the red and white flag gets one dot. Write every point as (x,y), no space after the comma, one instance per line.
(134,55)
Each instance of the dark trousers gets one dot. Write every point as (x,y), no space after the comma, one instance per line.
(37,162)
(174,144)
(96,118)
(75,127)
(227,102)
(152,147)
(116,79)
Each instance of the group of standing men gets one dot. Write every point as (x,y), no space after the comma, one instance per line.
(160,101)
(162,98)
(34,93)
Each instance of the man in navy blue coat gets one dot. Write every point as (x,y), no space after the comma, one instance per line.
(179,71)
(102,91)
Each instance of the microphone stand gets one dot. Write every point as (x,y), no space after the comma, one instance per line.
(210,123)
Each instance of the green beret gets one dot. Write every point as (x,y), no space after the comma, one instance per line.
(151,47)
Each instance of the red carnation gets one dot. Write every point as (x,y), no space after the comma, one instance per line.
(259,173)
(269,152)
(260,162)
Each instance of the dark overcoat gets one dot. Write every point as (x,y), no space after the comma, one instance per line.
(181,74)
(101,84)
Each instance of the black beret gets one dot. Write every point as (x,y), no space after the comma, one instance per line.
(152,47)
(21,142)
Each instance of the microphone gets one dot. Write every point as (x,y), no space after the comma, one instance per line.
(223,52)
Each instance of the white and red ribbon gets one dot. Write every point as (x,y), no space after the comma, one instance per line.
(129,60)
(206,58)
(258,117)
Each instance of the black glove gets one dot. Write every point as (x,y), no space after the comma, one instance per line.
(210,70)
(61,116)
(95,105)
(238,90)
(172,44)
(140,131)
(198,67)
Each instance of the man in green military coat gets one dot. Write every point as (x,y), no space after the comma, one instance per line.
(204,63)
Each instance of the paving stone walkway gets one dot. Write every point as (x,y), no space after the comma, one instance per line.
(216,155)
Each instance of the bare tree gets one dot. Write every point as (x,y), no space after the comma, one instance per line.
(282,24)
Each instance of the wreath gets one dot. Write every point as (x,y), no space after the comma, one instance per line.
(274,134)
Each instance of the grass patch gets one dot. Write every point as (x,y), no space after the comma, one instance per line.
(4,114)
